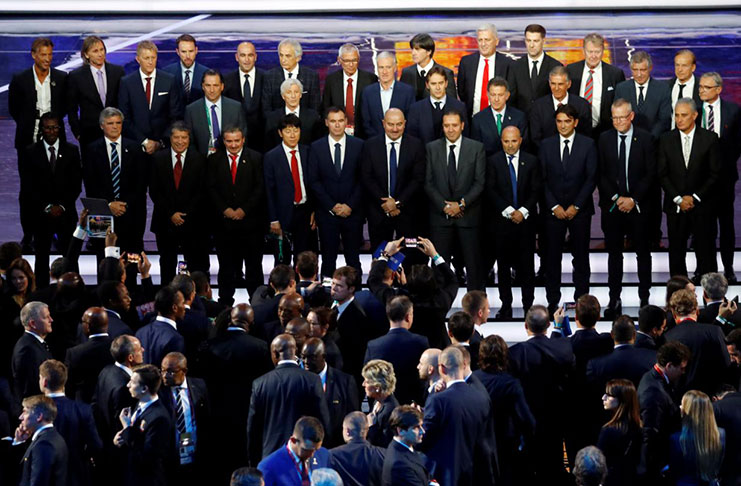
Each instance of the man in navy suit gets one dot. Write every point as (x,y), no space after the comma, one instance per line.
(595,81)
(31,349)
(426,115)
(487,125)
(194,326)
(334,173)
(357,461)
(476,70)
(403,466)
(627,177)
(149,99)
(684,84)
(115,298)
(187,72)
(387,93)
(728,128)
(85,361)
(416,75)
(569,166)
(45,461)
(289,54)
(529,74)
(161,336)
(393,174)
(248,77)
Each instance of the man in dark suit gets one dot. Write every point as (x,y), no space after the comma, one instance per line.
(401,348)
(290,208)
(529,74)
(177,189)
(150,100)
(90,88)
(85,361)
(684,84)
(334,173)
(187,72)
(208,115)
(31,349)
(423,48)
(688,168)
(651,327)
(387,93)
(476,70)
(250,77)
(115,298)
(160,336)
(454,182)
(595,80)
(717,309)
(487,125)
(426,115)
(289,54)
(728,128)
(344,88)
(52,172)
(340,389)
(403,466)
(393,168)
(569,165)
(147,434)
(627,178)
(513,186)
(311,125)
(114,170)
(33,92)
(279,398)
(357,461)
(194,326)
(235,179)
(45,461)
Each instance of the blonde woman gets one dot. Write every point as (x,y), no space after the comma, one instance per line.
(379,382)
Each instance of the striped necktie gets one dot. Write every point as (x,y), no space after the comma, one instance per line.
(115,172)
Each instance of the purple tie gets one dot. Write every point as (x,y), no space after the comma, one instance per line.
(101,86)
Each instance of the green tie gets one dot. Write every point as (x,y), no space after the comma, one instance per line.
(499,123)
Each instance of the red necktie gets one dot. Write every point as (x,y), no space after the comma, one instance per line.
(148,91)
(234,168)
(349,106)
(305,481)
(297,194)
(484,87)
(177,171)
(589,87)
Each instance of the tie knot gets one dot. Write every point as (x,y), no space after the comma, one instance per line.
(293,152)
(566,142)
(535,63)
(452,147)
(148,78)
(51,148)
(337,145)
(499,116)
(233,157)
(511,158)
(682,85)
(213,107)
(486,61)
(113,145)
(392,144)
(177,156)
(423,73)
(187,71)
(623,137)
(349,80)
(591,71)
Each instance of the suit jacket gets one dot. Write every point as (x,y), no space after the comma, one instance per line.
(402,97)
(699,177)
(330,188)
(575,183)
(194,327)
(655,114)
(421,114)
(247,193)
(730,139)
(116,326)
(695,95)
(543,117)
(58,186)
(358,463)
(334,95)
(626,362)
(196,118)
(111,396)
(641,176)
(84,363)
(200,409)
(521,86)
(611,76)
(402,467)
(45,461)
(402,349)
(410,75)
(75,424)
(469,181)
(341,394)
(484,128)
(83,101)
(196,80)
(499,184)
(355,329)
(279,186)
(312,127)
(707,367)
(645,341)
(410,176)
(271,98)
(149,443)
(28,354)
(159,338)
(379,432)
(252,108)
(279,468)
(144,122)
(660,417)
(709,312)
(467,70)
(22,104)
(455,422)
(728,416)
(279,398)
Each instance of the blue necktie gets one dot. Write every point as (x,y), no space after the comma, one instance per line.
(338,158)
(392,170)
(513,179)
(451,170)
(115,172)
(215,124)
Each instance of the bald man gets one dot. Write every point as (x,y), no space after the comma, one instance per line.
(245,85)
(85,361)
(358,462)
(279,398)
(428,371)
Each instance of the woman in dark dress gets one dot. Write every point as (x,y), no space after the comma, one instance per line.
(620,438)
(21,283)
(379,382)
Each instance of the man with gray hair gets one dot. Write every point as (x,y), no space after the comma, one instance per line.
(31,349)
(291,91)
(290,53)
(385,94)
(358,462)
(344,88)
(717,309)
(325,477)
(590,467)
(688,170)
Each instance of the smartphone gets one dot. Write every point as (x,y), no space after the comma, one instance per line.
(133,257)
(182,268)
(735,299)
(410,242)
(569,306)
(326,282)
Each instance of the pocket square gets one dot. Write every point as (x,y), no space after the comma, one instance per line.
(162,93)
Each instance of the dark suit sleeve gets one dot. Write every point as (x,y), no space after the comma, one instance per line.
(640,191)
(90,432)
(436,197)
(416,183)
(73,104)
(373,189)
(255,425)
(42,461)
(15,98)
(24,373)
(365,109)
(271,189)
(662,167)
(125,105)
(590,178)
(536,124)
(536,188)
(451,91)
(461,86)
(73,179)
(257,191)
(447,284)
(713,172)
(316,185)
(474,192)
(550,198)
(176,106)
(155,443)
(492,183)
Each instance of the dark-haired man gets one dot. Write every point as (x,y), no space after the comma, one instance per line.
(403,466)
(302,454)
(529,74)
(416,75)
(488,124)
(187,72)
(161,335)
(426,115)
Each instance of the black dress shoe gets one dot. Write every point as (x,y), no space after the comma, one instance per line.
(614,310)
(505,313)
(731,278)
(644,303)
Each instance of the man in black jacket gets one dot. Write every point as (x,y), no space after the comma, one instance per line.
(85,361)
(45,460)
(31,349)
(357,461)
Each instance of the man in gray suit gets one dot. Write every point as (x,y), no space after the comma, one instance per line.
(208,116)
(456,168)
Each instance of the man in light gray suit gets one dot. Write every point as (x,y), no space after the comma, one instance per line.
(456,168)
(207,117)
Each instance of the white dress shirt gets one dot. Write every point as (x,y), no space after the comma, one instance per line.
(480,79)
(144,77)
(397,145)
(294,73)
(426,68)
(342,143)
(386,96)
(174,158)
(507,213)
(209,104)
(596,90)
(167,321)
(456,150)
(716,115)
(354,78)
(43,97)
(564,101)
(530,62)
(94,71)
(288,150)
(119,147)
(251,80)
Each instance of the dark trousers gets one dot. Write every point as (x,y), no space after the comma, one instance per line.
(193,246)
(726,224)
(449,238)
(45,229)
(555,230)
(302,237)
(700,223)
(616,225)
(234,249)
(331,229)
(25,203)
(515,248)
(394,228)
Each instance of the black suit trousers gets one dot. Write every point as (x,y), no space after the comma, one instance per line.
(616,225)
(44,231)
(700,223)
(303,237)
(448,239)
(194,247)
(726,224)
(331,228)
(234,249)
(515,248)
(555,230)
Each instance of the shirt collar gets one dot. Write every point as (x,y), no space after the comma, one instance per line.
(192,69)
(235,328)
(39,338)
(109,141)
(100,334)
(297,111)
(397,141)
(564,101)
(95,70)
(451,383)
(36,76)
(441,100)
(143,406)
(294,71)
(251,73)
(530,60)
(570,139)
(39,430)
(128,370)
(457,142)
(182,157)
(167,321)
(411,449)
(288,149)
(644,84)
(323,373)
(354,77)
(55,395)
(629,133)
(596,68)
(287,361)
(515,156)
(390,88)
(55,145)
(691,134)
(341,307)
(427,68)
(145,76)
(495,112)
(183,385)
(113,312)
(209,103)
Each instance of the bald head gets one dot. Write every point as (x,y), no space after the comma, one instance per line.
(427,366)
(451,364)
(290,306)
(94,321)
(283,347)
(69,282)
(300,329)
(246,56)
(394,123)
(242,316)
(511,140)
(313,355)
